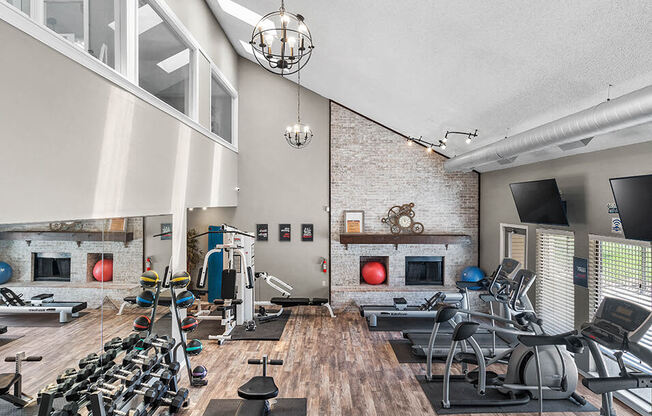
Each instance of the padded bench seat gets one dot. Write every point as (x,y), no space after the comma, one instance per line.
(298,301)
(161,301)
(258,388)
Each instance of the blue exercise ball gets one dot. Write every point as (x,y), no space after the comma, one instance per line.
(472,274)
(5,272)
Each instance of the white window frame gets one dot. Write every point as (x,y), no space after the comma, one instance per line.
(230,89)
(540,278)
(125,75)
(633,400)
(503,242)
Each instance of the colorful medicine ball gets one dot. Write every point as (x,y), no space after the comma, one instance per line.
(103,270)
(149,279)
(145,299)
(140,345)
(374,273)
(142,323)
(185,299)
(180,279)
(199,372)
(193,347)
(189,324)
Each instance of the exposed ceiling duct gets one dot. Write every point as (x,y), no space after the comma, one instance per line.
(619,113)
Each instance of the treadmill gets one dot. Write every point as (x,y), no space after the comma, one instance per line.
(491,343)
(401,309)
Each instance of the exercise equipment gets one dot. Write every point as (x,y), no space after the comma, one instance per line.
(199,372)
(401,309)
(473,274)
(258,390)
(435,343)
(189,323)
(526,367)
(180,280)
(5,272)
(43,303)
(194,347)
(286,300)
(149,279)
(145,299)
(185,299)
(103,270)
(142,323)
(9,381)
(373,273)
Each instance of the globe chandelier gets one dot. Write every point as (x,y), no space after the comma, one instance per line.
(281,42)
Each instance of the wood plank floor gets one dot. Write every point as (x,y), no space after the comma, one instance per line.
(341,367)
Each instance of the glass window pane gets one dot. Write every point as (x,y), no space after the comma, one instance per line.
(220,110)
(20,4)
(163,59)
(66,17)
(101,31)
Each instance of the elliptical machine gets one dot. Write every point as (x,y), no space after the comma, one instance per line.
(548,373)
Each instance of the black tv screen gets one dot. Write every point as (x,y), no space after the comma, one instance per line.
(539,202)
(633,197)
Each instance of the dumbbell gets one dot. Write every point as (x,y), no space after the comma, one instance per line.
(60,387)
(138,411)
(76,392)
(172,367)
(93,358)
(163,343)
(127,377)
(153,393)
(113,344)
(134,357)
(177,402)
(77,375)
(109,391)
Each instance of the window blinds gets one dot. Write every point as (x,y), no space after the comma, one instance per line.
(621,268)
(555,293)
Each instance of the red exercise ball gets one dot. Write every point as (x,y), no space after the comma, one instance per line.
(374,273)
(103,270)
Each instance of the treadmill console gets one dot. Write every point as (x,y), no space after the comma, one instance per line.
(509,266)
(617,323)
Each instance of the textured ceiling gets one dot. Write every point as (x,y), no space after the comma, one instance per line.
(424,67)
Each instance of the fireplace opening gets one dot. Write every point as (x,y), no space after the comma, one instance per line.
(424,270)
(51,267)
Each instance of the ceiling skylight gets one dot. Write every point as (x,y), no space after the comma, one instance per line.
(239,12)
(175,61)
(147,19)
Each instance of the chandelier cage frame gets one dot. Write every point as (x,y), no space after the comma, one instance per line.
(280,62)
(299,135)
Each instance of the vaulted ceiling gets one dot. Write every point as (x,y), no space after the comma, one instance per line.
(423,67)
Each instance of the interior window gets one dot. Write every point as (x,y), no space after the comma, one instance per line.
(220,109)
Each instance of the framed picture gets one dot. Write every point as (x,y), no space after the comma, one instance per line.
(307,231)
(284,232)
(353,221)
(166,228)
(262,232)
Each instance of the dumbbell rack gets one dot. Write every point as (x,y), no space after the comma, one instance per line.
(109,389)
(195,382)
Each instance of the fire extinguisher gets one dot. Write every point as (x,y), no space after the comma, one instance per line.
(324,268)
(148,264)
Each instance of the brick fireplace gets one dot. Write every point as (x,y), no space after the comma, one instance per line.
(373,169)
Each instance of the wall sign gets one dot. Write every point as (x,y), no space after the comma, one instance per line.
(284,232)
(166,228)
(262,232)
(307,231)
(616,225)
(580,271)
(612,208)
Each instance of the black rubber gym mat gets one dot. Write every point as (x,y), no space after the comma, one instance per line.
(35,320)
(6,339)
(265,331)
(403,350)
(285,407)
(463,390)
(402,324)
(163,326)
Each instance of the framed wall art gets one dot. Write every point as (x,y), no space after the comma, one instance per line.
(353,221)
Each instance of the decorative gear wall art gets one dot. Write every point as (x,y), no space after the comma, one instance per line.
(400,218)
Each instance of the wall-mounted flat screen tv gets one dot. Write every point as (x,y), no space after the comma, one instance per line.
(539,202)
(633,197)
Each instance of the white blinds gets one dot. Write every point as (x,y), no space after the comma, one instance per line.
(621,269)
(554,290)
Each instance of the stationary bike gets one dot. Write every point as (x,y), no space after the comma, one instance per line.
(258,391)
(15,380)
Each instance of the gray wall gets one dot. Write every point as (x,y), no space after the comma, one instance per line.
(584,183)
(279,184)
(159,250)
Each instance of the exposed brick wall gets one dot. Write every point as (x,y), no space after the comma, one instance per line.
(373,169)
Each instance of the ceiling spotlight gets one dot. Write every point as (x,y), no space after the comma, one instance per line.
(444,140)
(468,140)
(443,145)
(429,149)
(409,142)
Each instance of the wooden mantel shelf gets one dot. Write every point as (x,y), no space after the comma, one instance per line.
(396,239)
(78,236)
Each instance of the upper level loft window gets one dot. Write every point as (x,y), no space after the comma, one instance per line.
(23,5)
(90,25)
(163,59)
(221,109)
